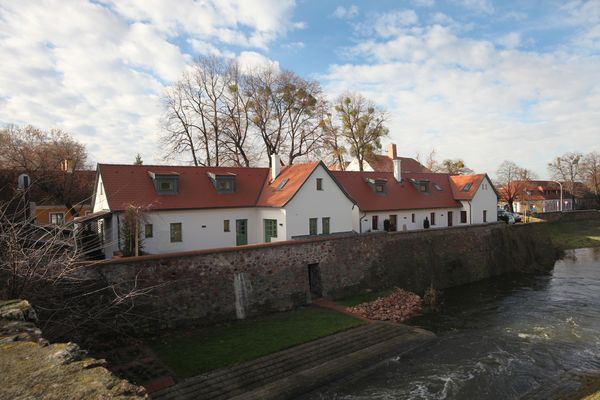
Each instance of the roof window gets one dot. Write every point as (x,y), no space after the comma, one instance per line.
(437,187)
(165,182)
(224,183)
(282,184)
(467,187)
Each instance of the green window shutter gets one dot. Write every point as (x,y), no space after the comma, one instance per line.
(326,226)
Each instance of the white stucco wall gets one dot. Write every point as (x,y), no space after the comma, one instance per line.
(485,199)
(312,203)
(353,166)
(404,218)
(201,229)
(100,200)
(271,213)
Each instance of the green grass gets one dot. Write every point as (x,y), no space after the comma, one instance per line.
(219,346)
(575,234)
(365,297)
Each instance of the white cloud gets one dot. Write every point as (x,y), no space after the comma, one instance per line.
(251,61)
(423,3)
(511,40)
(345,13)
(468,98)
(388,24)
(98,69)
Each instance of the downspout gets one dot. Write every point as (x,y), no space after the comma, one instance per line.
(470,213)
(360,221)
(119,233)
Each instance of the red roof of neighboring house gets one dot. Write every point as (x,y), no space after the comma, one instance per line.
(461,188)
(131,184)
(538,190)
(398,196)
(383,163)
(294,175)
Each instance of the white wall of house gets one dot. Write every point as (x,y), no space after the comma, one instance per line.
(485,199)
(201,229)
(405,218)
(353,166)
(312,203)
(100,200)
(278,214)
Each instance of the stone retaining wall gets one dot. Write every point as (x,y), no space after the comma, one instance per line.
(576,215)
(214,285)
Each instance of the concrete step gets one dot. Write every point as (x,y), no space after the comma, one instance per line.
(245,377)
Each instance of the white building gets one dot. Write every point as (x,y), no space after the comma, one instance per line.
(409,201)
(192,208)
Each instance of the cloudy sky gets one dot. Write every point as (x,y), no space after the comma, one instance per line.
(475,79)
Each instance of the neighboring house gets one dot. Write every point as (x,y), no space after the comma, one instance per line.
(191,208)
(39,196)
(402,201)
(538,196)
(385,163)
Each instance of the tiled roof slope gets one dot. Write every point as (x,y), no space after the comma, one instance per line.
(398,196)
(383,163)
(459,182)
(278,194)
(131,184)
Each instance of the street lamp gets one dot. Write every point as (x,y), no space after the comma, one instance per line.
(561,194)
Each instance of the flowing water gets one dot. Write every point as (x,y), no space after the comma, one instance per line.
(503,338)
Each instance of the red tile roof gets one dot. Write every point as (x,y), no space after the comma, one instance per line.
(131,184)
(383,163)
(459,183)
(538,190)
(295,175)
(398,196)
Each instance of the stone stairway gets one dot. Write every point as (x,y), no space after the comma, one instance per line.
(302,368)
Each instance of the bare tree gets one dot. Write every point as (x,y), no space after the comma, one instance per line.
(455,167)
(512,181)
(305,109)
(430,162)
(333,144)
(236,119)
(268,109)
(179,135)
(361,125)
(48,267)
(590,171)
(567,168)
(51,158)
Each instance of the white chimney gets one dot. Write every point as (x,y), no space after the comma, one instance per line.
(397,170)
(275,166)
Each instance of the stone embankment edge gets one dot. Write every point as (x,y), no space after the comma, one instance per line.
(340,368)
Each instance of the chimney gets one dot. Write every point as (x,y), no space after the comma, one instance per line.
(67,165)
(392,151)
(397,170)
(275,166)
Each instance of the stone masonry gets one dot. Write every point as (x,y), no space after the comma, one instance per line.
(202,287)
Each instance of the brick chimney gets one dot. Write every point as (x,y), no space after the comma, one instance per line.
(391,151)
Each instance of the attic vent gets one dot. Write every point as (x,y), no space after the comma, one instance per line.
(282,184)
(437,187)
(467,187)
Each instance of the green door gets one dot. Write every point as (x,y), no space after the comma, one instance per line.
(241,232)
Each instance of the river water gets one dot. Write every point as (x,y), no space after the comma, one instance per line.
(502,338)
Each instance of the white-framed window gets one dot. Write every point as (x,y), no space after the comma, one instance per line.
(57,218)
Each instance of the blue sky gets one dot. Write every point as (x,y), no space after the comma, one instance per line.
(480,80)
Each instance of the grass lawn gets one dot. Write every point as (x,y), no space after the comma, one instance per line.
(218,346)
(575,234)
(365,297)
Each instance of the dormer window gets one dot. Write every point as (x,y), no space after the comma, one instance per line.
(224,183)
(422,186)
(165,182)
(377,185)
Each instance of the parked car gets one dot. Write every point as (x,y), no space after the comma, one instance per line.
(517,217)
(506,216)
